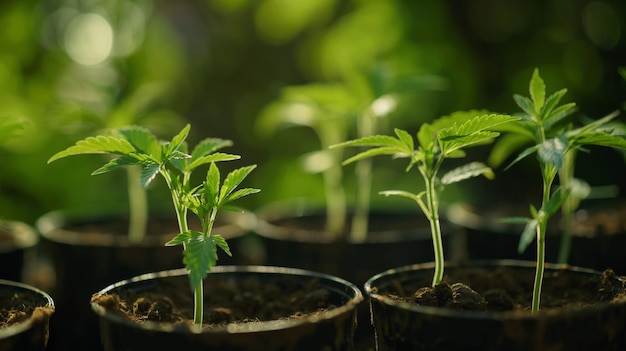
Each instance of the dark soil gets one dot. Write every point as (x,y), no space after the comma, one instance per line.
(502,289)
(225,302)
(16,307)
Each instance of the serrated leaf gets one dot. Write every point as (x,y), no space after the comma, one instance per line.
(209,146)
(559,114)
(426,137)
(179,239)
(373,141)
(528,151)
(405,138)
(553,101)
(100,144)
(221,243)
(537,90)
(528,235)
(397,153)
(552,151)
(122,161)
(148,173)
(472,132)
(524,103)
(212,185)
(470,170)
(556,200)
(233,179)
(240,193)
(199,256)
(177,140)
(143,140)
(216,157)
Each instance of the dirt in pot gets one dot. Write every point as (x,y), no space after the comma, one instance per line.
(226,301)
(505,289)
(17,307)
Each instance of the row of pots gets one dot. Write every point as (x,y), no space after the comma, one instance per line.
(82,269)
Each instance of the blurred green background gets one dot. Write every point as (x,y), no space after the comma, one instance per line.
(69,69)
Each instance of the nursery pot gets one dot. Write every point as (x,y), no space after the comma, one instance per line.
(89,250)
(25,312)
(596,325)
(330,329)
(599,236)
(294,235)
(18,242)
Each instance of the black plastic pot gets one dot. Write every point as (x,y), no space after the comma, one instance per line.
(406,326)
(32,333)
(84,263)
(332,330)
(293,235)
(18,243)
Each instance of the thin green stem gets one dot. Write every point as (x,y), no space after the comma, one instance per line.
(539,270)
(183,226)
(138,201)
(435,228)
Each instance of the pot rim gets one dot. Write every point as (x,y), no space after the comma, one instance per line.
(19,328)
(370,285)
(50,226)
(298,207)
(24,235)
(350,290)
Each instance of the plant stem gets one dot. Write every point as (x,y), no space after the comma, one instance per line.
(138,201)
(435,229)
(183,226)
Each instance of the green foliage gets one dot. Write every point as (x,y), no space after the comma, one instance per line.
(554,139)
(137,146)
(446,137)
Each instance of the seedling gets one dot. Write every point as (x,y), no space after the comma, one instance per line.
(136,146)
(444,138)
(555,140)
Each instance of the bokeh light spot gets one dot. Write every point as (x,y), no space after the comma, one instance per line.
(89,39)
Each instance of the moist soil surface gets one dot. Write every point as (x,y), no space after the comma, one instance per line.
(17,307)
(502,289)
(226,301)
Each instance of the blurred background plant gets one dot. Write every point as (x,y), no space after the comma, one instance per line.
(73,68)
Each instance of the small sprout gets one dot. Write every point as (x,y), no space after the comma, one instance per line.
(446,137)
(554,140)
(136,146)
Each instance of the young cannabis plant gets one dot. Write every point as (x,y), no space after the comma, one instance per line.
(446,137)
(554,142)
(136,146)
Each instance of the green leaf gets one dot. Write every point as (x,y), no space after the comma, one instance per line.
(240,193)
(143,141)
(209,146)
(122,161)
(475,131)
(553,101)
(376,152)
(556,200)
(221,243)
(537,90)
(177,140)
(559,114)
(470,170)
(148,173)
(528,235)
(552,151)
(373,141)
(179,239)
(529,151)
(212,186)
(524,103)
(100,144)
(233,179)
(400,193)
(199,256)
(426,137)
(505,146)
(216,157)
(406,139)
